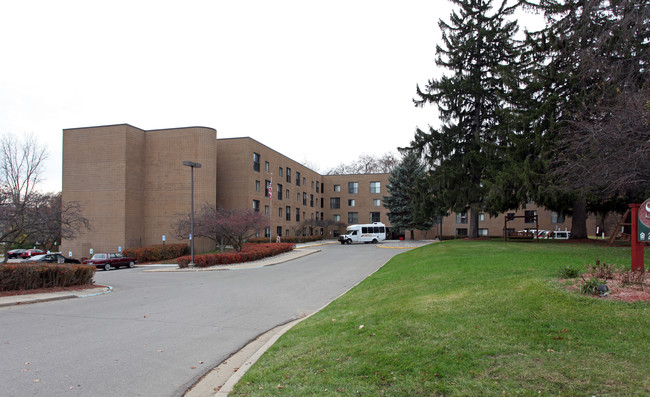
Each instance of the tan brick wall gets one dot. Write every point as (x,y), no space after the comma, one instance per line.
(98,162)
(132,184)
(167,189)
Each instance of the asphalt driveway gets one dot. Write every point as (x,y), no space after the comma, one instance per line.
(157,333)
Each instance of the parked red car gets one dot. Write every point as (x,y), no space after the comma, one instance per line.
(107,260)
(31,252)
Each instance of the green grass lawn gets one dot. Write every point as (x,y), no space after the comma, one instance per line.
(466,318)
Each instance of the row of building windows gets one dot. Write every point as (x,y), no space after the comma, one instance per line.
(529,217)
(286,172)
(353,188)
(335,203)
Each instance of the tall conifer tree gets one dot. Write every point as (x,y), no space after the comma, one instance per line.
(403,200)
(479,50)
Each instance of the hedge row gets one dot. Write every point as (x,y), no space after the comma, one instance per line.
(155,252)
(26,276)
(250,252)
(293,240)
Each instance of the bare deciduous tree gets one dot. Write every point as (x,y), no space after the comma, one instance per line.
(367,164)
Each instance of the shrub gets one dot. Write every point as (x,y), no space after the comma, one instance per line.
(155,252)
(633,277)
(590,286)
(250,252)
(602,270)
(294,240)
(26,276)
(569,272)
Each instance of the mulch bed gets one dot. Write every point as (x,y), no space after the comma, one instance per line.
(617,290)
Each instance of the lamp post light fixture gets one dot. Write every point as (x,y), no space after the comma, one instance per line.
(192,165)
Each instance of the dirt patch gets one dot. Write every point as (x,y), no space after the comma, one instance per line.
(46,290)
(618,289)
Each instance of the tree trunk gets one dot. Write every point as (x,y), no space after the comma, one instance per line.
(579,219)
(473,222)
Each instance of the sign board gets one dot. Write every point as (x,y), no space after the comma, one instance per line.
(164,237)
(190,236)
(119,248)
(70,254)
(91,251)
(644,221)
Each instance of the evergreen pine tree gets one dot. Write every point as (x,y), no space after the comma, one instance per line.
(468,149)
(403,198)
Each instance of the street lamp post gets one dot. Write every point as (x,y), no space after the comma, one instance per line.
(192,165)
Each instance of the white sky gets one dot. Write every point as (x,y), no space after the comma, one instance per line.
(321,82)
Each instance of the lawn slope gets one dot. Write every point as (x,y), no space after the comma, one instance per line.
(466,318)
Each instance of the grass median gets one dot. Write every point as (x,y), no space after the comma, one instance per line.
(466,318)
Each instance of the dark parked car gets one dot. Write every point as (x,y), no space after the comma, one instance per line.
(50,258)
(107,260)
(31,252)
(15,253)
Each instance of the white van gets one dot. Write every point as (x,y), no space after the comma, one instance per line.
(368,233)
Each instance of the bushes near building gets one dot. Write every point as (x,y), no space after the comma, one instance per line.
(28,276)
(156,252)
(250,252)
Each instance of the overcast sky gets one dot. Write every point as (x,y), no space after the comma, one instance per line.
(320,82)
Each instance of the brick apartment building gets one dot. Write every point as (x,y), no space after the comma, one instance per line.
(133,186)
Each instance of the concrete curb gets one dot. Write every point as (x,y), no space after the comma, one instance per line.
(52,296)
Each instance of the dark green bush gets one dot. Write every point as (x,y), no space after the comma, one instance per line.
(569,272)
(155,252)
(26,276)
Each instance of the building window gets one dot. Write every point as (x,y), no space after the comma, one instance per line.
(256,205)
(374,217)
(375,187)
(337,218)
(280,214)
(297,178)
(266,166)
(298,197)
(510,216)
(317,187)
(337,188)
(288,212)
(461,217)
(279,191)
(353,187)
(288,175)
(557,218)
(351,203)
(304,182)
(297,214)
(482,232)
(304,217)
(530,216)
(266,210)
(481,217)
(312,184)
(304,198)
(267,232)
(461,232)
(353,217)
(311,200)
(335,203)
(278,231)
(267,183)
(281,175)
(376,203)
(257,186)
(256,162)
